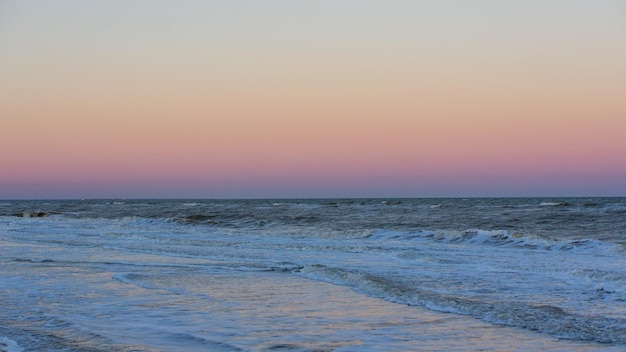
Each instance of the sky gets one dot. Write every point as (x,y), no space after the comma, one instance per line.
(312,98)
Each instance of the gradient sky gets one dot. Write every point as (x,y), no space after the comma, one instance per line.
(337,98)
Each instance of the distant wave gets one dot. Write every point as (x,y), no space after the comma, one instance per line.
(503,238)
(554,204)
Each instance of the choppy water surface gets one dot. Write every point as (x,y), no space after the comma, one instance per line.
(313,275)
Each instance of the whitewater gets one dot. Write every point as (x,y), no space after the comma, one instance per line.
(495,274)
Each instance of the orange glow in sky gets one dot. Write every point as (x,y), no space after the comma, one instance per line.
(312,99)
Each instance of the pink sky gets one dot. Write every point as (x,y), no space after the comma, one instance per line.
(312,99)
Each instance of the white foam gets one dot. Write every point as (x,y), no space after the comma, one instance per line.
(552,204)
(8,345)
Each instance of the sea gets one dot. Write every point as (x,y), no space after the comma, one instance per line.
(476,274)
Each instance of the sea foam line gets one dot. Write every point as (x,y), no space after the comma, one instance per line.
(543,318)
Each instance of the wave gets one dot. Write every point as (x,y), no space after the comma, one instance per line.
(554,204)
(502,238)
(226,225)
(548,319)
(604,281)
(615,208)
(51,332)
(189,340)
(8,345)
(227,220)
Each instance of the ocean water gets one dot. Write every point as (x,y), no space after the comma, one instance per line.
(313,275)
